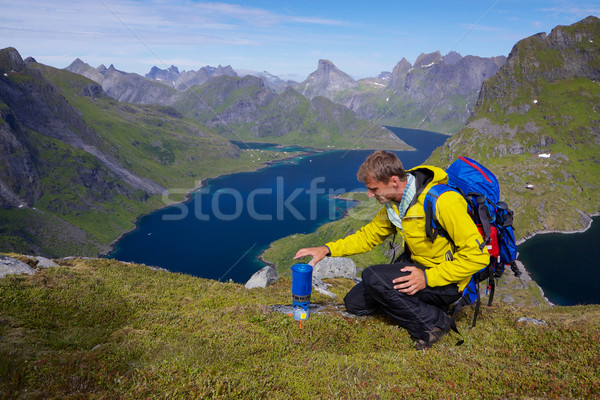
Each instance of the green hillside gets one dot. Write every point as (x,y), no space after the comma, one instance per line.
(99,329)
(84,167)
(547,194)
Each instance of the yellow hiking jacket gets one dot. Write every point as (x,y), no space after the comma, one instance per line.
(445,263)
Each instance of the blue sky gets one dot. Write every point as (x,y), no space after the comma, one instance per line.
(284,37)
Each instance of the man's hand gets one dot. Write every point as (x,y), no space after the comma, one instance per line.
(318,253)
(411,283)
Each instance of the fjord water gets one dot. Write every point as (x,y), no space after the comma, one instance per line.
(566,266)
(223,228)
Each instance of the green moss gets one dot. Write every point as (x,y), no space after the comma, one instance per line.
(103,329)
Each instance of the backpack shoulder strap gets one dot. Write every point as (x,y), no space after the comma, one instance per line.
(432,226)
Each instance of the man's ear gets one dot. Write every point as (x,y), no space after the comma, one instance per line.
(395,181)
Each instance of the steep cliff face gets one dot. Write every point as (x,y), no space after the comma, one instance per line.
(434,79)
(544,100)
(10,61)
(19,173)
(40,108)
(398,78)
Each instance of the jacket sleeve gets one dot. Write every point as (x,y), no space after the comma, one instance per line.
(468,257)
(365,239)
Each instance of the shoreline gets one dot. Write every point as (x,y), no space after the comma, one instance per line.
(201,184)
(544,232)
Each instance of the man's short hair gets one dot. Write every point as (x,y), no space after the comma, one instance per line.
(381,166)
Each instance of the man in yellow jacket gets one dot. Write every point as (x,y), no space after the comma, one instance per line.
(417,289)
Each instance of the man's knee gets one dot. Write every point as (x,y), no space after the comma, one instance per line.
(352,306)
(358,302)
(369,276)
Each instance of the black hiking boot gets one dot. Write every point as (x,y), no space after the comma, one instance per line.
(434,336)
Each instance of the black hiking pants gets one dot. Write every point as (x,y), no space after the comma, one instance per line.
(418,314)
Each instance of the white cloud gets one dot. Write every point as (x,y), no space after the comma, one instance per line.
(580,11)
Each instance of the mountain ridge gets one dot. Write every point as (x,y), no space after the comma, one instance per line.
(247,109)
(398,98)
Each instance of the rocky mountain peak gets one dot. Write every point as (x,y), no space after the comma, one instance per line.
(326,80)
(427,60)
(170,74)
(451,58)
(80,67)
(76,63)
(564,37)
(326,65)
(10,60)
(385,75)
(399,73)
(226,70)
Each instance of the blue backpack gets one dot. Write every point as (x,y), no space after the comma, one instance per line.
(494,219)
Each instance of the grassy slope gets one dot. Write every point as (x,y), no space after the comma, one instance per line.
(103,329)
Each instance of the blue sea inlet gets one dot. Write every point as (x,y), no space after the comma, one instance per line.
(223,228)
